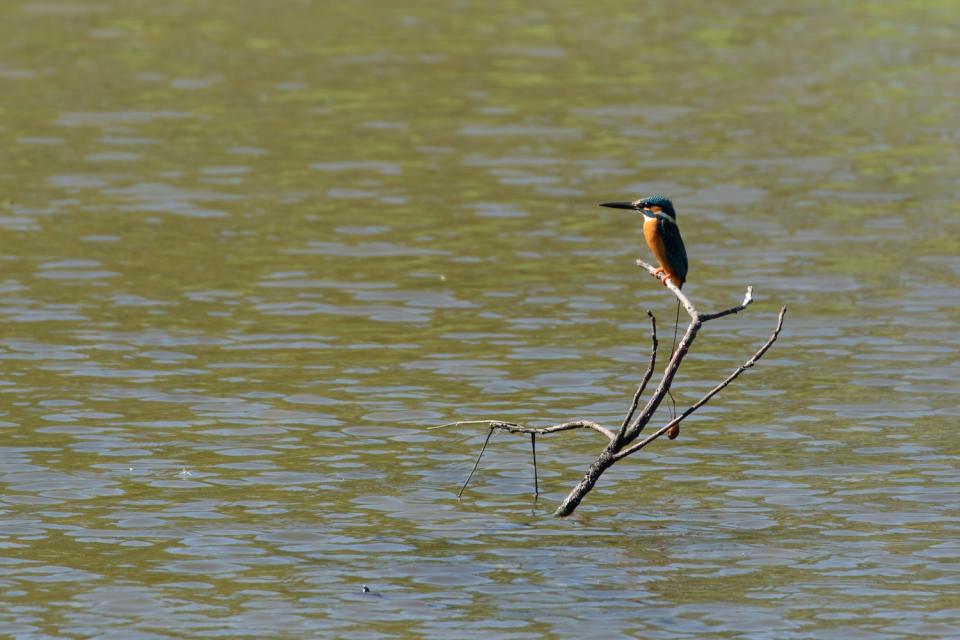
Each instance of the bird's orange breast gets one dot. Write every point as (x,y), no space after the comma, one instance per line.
(651,233)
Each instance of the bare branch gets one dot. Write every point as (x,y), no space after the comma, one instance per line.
(513,427)
(621,443)
(646,376)
(466,422)
(747,299)
(566,426)
(634,429)
(705,399)
(475,464)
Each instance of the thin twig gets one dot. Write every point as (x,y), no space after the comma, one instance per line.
(747,300)
(499,425)
(477,463)
(536,480)
(646,376)
(513,427)
(566,426)
(705,399)
(466,422)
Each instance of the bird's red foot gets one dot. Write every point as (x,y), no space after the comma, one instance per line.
(663,275)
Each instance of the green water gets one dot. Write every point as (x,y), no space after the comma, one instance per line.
(252,250)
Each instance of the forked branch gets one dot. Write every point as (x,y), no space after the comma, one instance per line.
(621,443)
(705,399)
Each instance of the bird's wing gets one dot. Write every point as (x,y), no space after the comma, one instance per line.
(673,243)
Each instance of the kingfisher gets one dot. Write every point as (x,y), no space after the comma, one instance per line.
(662,234)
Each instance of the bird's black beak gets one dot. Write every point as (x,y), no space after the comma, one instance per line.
(619,205)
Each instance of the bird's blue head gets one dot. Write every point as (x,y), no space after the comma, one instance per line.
(650,203)
(656,201)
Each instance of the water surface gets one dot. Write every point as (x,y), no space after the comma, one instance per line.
(251,251)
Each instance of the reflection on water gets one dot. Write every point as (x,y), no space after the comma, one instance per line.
(246,263)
